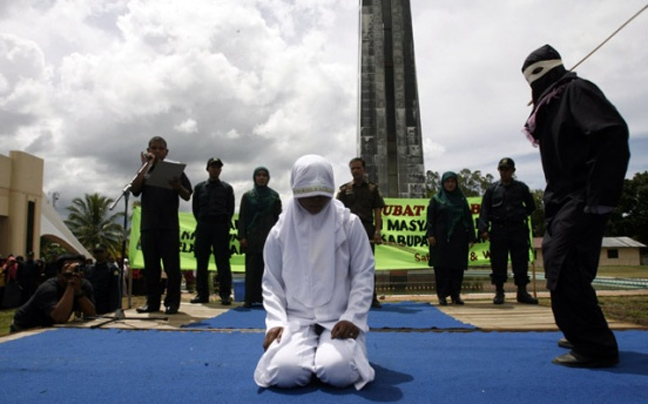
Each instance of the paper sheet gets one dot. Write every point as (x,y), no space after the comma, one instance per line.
(163,172)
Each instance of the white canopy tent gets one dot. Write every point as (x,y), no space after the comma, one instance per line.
(52,227)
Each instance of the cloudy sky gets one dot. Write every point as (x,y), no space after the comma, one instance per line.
(85,83)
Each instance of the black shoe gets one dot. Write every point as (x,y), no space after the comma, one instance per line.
(147,308)
(443,301)
(171,310)
(226,301)
(574,360)
(525,298)
(199,299)
(564,343)
(499,298)
(457,300)
(375,304)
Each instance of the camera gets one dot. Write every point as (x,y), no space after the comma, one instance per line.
(78,262)
(77,269)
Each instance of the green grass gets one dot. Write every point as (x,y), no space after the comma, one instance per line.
(624,272)
(631,309)
(5,320)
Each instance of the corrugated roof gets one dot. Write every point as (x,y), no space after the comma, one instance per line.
(621,242)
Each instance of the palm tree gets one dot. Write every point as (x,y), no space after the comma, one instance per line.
(90,221)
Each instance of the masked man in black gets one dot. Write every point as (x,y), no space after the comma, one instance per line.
(583,144)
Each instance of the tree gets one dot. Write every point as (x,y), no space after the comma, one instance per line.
(538,224)
(90,221)
(432,182)
(470,183)
(630,217)
(475,184)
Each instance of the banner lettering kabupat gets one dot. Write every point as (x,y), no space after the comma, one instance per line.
(404,246)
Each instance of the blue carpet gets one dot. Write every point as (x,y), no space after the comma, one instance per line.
(391,316)
(413,315)
(111,366)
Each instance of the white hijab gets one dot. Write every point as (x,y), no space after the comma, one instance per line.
(309,241)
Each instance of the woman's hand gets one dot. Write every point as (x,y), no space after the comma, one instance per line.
(273,334)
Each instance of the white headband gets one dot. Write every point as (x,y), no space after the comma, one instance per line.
(545,65)
(312,175)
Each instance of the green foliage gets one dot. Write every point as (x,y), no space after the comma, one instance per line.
(49,248)
(470,183)
(538,224)
(630,217)
(475,184)
(91,221)
(432,183)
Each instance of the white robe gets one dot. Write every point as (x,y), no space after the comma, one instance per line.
(350,290)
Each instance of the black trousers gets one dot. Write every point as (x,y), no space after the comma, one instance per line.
(571,249)
(253,277)
(514,239)
(448,281)
(213,237)
(161,247)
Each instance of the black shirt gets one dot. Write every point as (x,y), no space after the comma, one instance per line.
(160,206)
(505,204)
(36,312)
(213,200)
(104,278)
(584,146)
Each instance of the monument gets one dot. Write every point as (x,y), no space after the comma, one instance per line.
(389,121)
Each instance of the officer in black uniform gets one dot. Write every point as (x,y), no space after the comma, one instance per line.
(505,208)
(213,208)
(104,278)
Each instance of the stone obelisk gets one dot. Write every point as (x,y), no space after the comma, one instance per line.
(389,120)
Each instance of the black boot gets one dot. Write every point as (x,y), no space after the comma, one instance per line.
(524,297)
(499,294)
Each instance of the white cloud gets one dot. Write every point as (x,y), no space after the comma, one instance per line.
(262,82)
(187,126)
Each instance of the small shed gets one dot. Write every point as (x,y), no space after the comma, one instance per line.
(615,251)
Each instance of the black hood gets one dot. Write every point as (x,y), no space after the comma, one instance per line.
(541,85)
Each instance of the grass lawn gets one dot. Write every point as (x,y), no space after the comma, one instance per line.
(632,309)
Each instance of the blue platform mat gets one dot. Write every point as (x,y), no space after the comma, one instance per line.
(112,366)
(403,315)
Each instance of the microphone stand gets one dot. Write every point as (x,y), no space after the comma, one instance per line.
(119,312)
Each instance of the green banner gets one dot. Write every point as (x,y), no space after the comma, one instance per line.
(404,243)
(187,228)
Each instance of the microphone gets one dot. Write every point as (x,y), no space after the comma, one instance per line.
(148,157)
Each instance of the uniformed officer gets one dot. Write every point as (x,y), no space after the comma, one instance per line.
(213,208)
(503,220)
(363,198)
(104,278)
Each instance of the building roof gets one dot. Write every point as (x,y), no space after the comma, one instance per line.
(608,242)
(621,242)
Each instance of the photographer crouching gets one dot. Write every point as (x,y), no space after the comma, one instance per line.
(56,298)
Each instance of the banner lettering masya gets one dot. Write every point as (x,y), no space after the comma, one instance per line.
(405,245)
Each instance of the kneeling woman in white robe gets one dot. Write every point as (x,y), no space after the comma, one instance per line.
(317,287)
